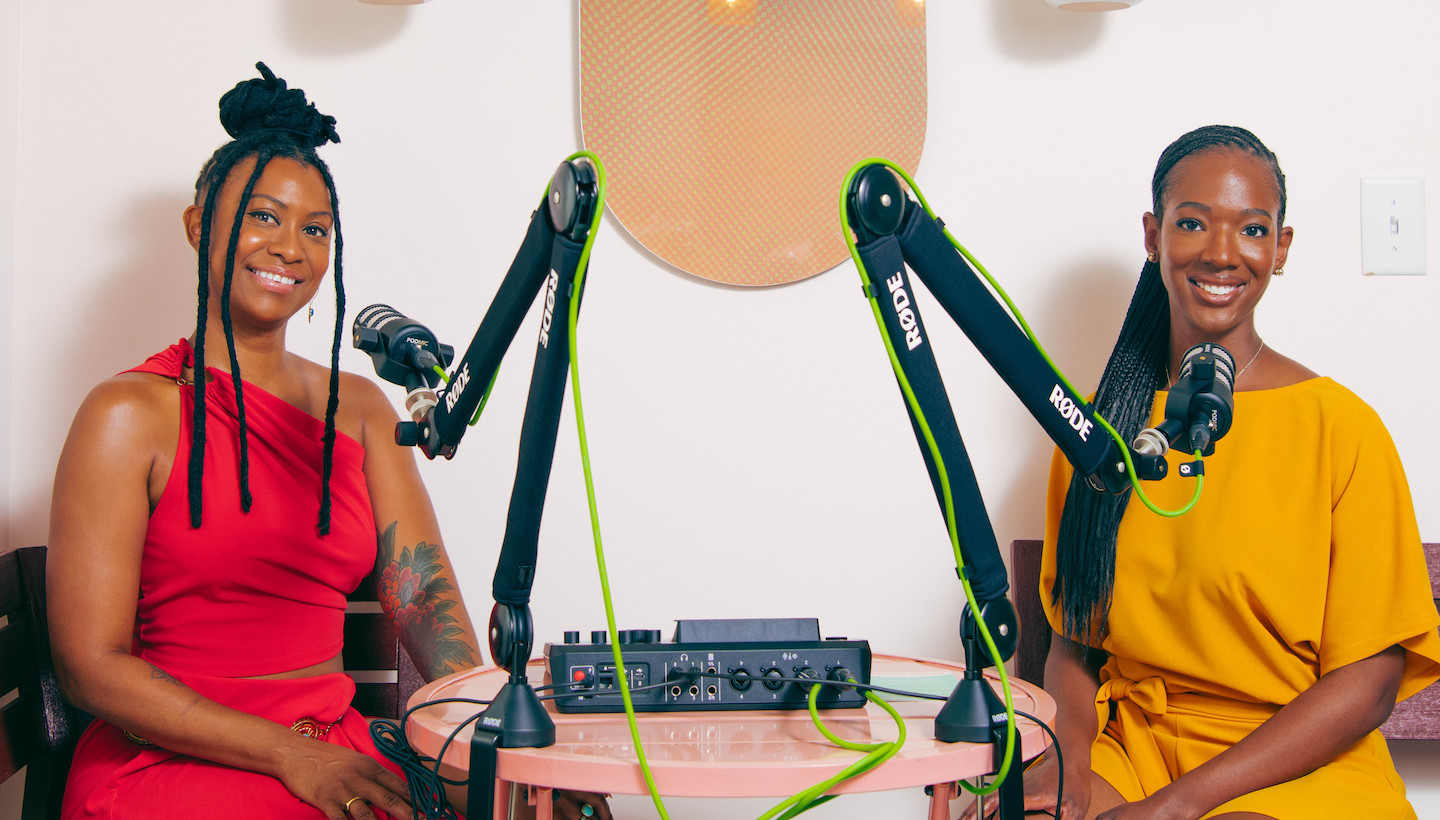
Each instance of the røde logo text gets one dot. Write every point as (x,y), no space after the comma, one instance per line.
(1071,413)
(901,300)
(549,309)
(457,387)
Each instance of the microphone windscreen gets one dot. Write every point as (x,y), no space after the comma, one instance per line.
(1221,359)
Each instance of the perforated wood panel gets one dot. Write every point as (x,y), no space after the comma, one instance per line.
(726,126)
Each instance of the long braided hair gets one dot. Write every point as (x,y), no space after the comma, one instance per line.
(266,120)
(1085,548)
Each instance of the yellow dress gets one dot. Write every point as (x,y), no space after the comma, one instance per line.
(1302,555)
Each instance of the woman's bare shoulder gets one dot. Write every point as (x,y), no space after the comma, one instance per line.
(127,422)
(132,400)
(365,393)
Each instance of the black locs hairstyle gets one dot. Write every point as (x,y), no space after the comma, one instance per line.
(1085,549)
(266,120)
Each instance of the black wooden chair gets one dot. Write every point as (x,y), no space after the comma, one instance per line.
(38,729)
(1034,628)
(1415,718)
(1418,716)
(385,677)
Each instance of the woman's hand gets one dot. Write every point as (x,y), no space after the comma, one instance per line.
(569,805)
(572,806)
(1041,783)
(331,777)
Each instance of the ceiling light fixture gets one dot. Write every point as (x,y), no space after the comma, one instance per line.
(1093,5)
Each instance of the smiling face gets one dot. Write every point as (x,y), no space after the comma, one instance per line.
(1218,241)
(284,246)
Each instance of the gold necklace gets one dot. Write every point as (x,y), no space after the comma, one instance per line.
(1252,361)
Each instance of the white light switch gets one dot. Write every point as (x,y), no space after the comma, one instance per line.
(1392,225)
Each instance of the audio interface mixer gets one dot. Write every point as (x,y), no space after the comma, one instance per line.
(712,665)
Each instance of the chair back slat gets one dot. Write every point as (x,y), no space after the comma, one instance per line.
(384,675)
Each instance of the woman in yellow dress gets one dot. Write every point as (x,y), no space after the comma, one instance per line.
(1235,661)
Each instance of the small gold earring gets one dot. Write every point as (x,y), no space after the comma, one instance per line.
(1279,271)
(1151,257)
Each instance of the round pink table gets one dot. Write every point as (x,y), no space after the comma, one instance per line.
(726,754)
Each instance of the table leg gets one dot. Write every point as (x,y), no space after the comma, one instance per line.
(940,796)
(505,793)
(543,799)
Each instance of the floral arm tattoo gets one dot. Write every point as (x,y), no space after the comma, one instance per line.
(410,590)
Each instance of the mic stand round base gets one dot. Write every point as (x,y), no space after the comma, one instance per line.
(973,709)
(974,713)
(970,712)
(515,718)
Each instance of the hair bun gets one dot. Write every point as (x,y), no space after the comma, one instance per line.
(267,105)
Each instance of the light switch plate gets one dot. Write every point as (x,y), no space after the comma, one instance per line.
(1392,225)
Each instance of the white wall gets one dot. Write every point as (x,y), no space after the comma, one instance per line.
(10,39)
(750,450)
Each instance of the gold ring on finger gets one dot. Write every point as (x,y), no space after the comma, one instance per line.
(351,800)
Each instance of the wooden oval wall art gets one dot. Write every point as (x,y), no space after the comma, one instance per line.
(727,126)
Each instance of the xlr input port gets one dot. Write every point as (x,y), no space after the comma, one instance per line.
(774,679)
(741,680)
(806,674)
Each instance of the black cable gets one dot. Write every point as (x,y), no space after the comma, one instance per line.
(1059,759)
(401,752)
(446,745)
(590,690)
(405,718)
(398,748)
(427,790)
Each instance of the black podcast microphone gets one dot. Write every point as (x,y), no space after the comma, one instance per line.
(400,346)
(1201,405)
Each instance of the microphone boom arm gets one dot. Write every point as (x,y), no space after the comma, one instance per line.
(497,330)
(895,236)
(553,256)
(892,232)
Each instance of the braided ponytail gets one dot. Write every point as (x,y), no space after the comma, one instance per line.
(266,120)
(1085,546)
